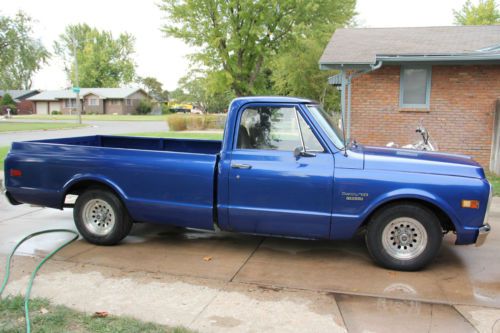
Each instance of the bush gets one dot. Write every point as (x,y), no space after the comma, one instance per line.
(144,106)
(182,122)
(8,103)
(177,122)
(215,121)
(165,109)
(55,113)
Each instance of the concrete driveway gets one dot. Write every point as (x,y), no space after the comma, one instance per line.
(93,128)
(223,282)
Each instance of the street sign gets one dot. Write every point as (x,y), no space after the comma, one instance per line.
(76,90)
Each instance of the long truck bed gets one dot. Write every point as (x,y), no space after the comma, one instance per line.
(160,180)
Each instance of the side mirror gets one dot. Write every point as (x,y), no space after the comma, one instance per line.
(300,152)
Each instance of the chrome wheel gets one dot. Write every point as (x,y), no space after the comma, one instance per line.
(404,238)
(98,217)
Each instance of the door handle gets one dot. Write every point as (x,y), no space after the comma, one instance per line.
(240,166)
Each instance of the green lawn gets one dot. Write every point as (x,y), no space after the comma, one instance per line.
(104,117)
(495,181)
(13,126)
(49,318)
(3,153)
(183,135)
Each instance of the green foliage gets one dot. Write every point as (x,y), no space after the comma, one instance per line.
(154,88)
(103,61)
(55,113)
(205,91)
(7,100)
(21,54)
(144,106)
(237,39)
(295,72)
(484,13)
(165,109)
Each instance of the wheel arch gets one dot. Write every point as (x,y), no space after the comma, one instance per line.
(78,185)
(446,221)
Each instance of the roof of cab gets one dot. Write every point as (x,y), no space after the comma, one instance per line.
(272,99)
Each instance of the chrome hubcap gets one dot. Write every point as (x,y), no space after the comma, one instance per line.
(404,238)
(98,217)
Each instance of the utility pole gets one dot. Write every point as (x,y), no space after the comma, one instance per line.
(76,88)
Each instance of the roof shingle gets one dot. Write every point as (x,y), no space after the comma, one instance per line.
(52,95)
(362,45)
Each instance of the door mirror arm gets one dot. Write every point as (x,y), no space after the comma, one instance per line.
(299,152)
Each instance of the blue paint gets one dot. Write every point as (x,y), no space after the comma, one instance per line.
(174,181)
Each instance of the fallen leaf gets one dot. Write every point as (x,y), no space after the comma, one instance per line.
(207,258)
(100,314)
(44,311)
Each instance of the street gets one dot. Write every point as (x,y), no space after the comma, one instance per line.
(93,128)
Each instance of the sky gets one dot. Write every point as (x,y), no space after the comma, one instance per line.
(165,58)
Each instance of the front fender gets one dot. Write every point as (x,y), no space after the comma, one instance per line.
(412,194)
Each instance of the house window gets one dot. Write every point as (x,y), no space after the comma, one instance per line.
(93,101)
(415,87)
(128,102)
(70,103)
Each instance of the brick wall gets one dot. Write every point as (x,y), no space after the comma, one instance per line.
(459,119)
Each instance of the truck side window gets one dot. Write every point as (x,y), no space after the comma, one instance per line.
(274,128)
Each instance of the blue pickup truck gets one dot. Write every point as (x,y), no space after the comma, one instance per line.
(282,169)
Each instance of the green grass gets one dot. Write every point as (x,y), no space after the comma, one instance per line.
(14,127)
(3,154)
(182,135)
(62,319)
(103,117)
(495,182)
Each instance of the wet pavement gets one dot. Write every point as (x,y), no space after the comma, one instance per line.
(224,282)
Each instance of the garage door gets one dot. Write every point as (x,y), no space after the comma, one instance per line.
(42,108)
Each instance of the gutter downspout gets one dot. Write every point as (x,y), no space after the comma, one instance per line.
(349,78)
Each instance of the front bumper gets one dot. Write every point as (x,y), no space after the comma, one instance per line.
(482,234)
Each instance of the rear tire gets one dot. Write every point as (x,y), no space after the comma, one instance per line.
(404,237)
(100,217)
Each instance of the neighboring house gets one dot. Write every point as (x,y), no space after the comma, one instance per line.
(92,101)
(449,77)
(23,105)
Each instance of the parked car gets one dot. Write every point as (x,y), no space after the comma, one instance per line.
(282,169)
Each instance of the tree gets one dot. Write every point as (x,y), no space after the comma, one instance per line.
(295,70)
(103,61)
(154,88)
(484,13)
(203,91)
(7,102)
(237,38)
(21,54)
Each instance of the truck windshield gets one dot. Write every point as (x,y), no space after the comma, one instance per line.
(328,125)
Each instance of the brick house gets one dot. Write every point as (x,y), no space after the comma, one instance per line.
(448,77)
(92,101)
(20,97)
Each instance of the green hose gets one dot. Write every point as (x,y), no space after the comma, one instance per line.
(32,277)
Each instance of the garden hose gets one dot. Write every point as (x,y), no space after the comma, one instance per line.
(32,277)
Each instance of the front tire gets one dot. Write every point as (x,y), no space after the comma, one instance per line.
(404,237)
(100,217)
